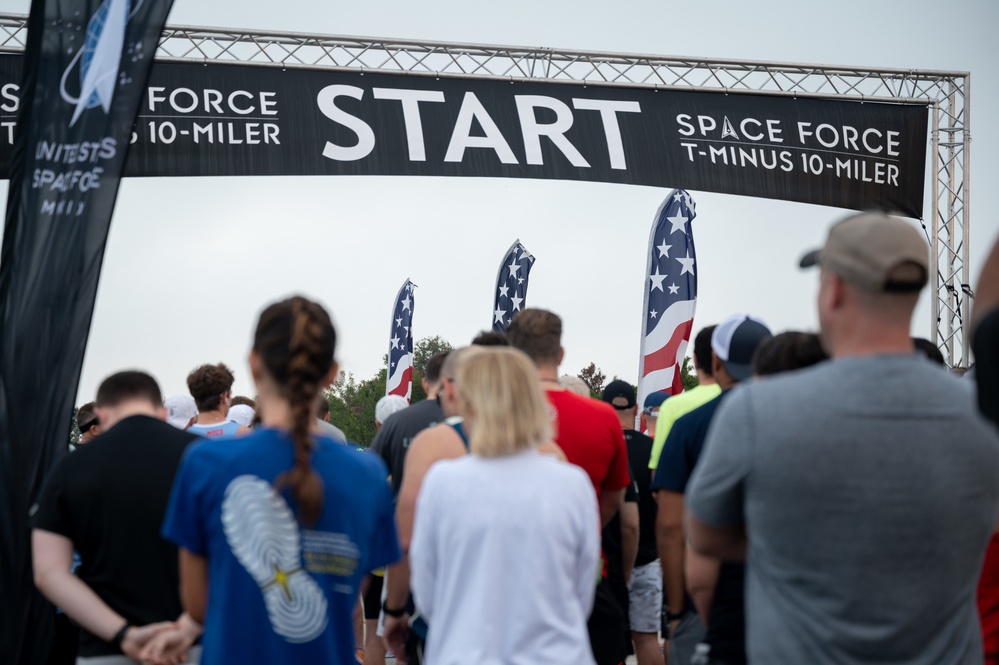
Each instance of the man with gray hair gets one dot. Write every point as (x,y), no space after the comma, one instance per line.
(861,491)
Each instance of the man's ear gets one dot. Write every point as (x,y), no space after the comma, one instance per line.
(561,354)
(831,293)
(256,366)
(716,364)
(102,416)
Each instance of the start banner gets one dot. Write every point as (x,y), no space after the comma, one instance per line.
(217,119)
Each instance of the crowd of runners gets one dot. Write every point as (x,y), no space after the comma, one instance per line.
(816,498)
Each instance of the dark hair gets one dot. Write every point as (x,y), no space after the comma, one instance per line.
(207,384)
(128,385)
(702,349)
(322,408)
(929,349)
(432,372)
(85,418)
(538,333)
(788,351)
(490,338)
(295,340)
(241,399)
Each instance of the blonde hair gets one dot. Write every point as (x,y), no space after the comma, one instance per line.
(502,401)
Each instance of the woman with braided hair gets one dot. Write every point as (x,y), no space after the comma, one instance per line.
(277,529)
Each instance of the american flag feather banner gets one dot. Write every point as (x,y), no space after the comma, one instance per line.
(399,380)
(511,285)
(670,296)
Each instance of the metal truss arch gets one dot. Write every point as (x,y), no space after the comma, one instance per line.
(947,92)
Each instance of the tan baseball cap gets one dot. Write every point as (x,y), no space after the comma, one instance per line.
(864,249)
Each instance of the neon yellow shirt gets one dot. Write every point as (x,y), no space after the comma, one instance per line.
(673,408)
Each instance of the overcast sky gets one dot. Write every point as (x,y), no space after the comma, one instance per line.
(190,262)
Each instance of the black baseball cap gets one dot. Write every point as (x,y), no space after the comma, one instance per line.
(619,394)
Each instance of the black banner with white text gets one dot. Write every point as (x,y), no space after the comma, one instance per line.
(85,70)
(228,119)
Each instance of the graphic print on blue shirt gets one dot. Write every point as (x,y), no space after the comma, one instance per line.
(263,536)
(215,430)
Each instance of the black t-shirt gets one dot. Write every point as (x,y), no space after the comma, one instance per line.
(398,431)
(109,497)
(986,346)
(639,452)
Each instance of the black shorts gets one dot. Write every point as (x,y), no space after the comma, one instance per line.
(373,598)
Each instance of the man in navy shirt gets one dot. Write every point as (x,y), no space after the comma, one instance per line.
(733,343)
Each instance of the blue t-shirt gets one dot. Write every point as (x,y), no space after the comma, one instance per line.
(215,430)
(683,447)
(280,592)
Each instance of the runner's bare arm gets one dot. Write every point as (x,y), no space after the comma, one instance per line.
(52,559)
(629,538)
(670,546)
(610,503)
(431,445)
(193,584)
(727,543)
(701,573)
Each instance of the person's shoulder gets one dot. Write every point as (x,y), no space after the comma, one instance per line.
(350,459)
(636,439)
(417,415)
(677,402)
(580,404)
(135,434)
(698,414)
(565,474)
(213,451)
(435,437)
(799,382)
(444,470)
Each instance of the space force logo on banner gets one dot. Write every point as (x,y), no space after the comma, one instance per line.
(229,119)
(99,59)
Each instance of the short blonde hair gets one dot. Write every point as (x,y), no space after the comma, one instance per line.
(503,401)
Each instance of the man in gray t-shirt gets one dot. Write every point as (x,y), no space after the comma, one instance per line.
(864,489)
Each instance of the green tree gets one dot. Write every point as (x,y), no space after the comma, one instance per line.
(427,348)
(352,405)
(687,374)
(594,378)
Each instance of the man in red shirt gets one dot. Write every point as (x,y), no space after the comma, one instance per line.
(588,432)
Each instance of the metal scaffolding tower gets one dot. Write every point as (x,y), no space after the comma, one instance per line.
(948,93)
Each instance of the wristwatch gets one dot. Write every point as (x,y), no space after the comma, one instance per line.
(676,617)
(120,635)
(392,613)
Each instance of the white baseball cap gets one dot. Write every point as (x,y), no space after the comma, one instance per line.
(180,410)
(388,405)
(242,414)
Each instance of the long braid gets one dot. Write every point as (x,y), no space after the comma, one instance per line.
(309,357)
